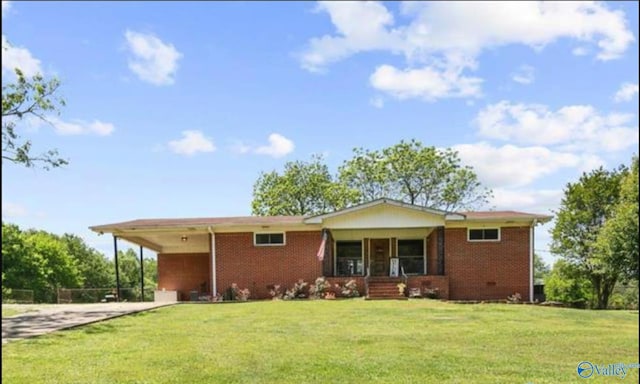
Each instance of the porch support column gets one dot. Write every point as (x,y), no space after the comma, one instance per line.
(115,252)
(212,253)
(531,244)
(141,276)
(440,251)
(327,261)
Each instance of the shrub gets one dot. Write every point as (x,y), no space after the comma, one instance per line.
(299,291)
(234,293)
(432,293)
(349,289)
(275,290)
(320,288)
(515,298)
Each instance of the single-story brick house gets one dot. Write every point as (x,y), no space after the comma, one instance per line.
(466,255)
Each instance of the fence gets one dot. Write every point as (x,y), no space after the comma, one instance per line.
(100,295)
(18,296)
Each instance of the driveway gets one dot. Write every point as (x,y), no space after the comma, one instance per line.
(41,319)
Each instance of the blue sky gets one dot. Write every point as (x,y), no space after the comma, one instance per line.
(174,108)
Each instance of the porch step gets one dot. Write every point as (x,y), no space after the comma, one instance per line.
(384,288)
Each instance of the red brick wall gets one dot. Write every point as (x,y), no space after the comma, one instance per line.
(183,272)
(487,270)
(239,261)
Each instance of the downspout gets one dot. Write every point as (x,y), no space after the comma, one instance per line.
(531,244)
(212,252)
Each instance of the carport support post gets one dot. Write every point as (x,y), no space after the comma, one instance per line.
(115,251)
(141,276)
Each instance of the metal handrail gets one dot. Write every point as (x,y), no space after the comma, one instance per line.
(404,275)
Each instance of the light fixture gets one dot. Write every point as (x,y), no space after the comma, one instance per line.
(184,238)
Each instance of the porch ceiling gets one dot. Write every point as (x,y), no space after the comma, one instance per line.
(169,242)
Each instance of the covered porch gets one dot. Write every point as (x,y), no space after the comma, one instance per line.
(387,242)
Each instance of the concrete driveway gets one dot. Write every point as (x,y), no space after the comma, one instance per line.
(41,319)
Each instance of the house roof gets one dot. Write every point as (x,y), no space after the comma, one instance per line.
(504,215)
(249,221)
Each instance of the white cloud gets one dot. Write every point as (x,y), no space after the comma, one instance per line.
(427,83)
(361,26)
(626,92)
(575,127)
(6,5)
(444,39)
(470,27)
(240,148)
(278,146)
(153,60)
(74,127)
(18,57)
(539,201)
(512,166)
(191,143)
(524,75)
(13,210)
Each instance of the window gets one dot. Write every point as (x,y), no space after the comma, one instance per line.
(411,255)
(486,234)
(269,238)
(349,258)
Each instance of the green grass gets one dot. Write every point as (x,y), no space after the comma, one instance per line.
(345,341)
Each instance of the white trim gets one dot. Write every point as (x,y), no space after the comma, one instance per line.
(284,238)
(531,245)
(448,215)
(483,240)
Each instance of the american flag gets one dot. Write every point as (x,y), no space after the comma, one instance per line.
(323,244)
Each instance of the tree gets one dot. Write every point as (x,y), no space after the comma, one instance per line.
(28,97)
(39,261)
(129,266)
(415,174)
(540,269)
(567,284)
(96,270)
(584,209)
(618,240)
(304,188)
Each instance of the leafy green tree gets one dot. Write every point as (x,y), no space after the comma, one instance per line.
(23,98)
(585,208)
(96,270)
(540,269)
(567,284)
(304,188)
(39,261)
(129,266)
(618,240)
(413,173)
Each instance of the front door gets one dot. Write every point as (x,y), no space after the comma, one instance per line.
(379,256)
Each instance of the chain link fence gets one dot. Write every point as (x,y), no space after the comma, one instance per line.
(18,296)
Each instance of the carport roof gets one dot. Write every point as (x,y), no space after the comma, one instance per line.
(196,223)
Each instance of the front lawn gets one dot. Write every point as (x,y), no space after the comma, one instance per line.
(344,341)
